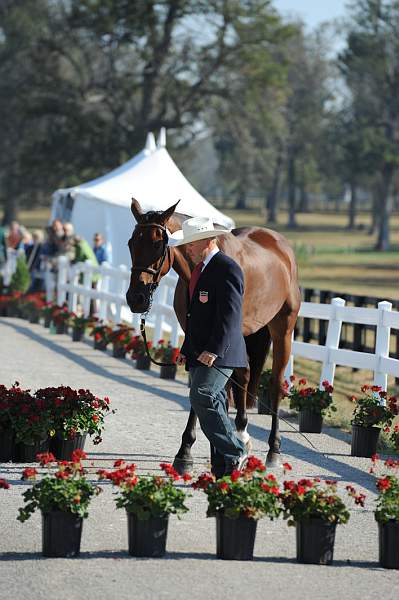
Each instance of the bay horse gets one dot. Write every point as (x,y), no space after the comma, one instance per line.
(270,306)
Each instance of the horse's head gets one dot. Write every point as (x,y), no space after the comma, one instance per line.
(150,254)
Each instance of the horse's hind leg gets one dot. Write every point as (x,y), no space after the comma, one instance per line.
(258,346)
(281,328)
(183,462)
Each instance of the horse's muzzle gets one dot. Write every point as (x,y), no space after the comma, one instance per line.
(138,302)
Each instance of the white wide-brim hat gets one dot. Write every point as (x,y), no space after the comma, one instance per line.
(196,228)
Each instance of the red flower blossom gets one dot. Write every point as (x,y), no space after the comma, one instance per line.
(287,466)
(302,381)
(29,473)
(292,378)
(235,475)
(187,477)
(4,485)
(383,484)
(119,462)
(78,455)
(45,458)
(223,486)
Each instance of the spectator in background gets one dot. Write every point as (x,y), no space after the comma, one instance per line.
(68,242)
(34,252)
(100,249)
(14,236)
(83,252)
(3,247)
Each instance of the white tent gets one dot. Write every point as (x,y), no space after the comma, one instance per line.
(103,205)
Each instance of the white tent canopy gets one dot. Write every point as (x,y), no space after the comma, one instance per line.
(103,205)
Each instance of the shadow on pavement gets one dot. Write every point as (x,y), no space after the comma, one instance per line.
(341,470)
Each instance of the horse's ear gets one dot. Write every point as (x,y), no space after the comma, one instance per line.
(165,216)
(136,210)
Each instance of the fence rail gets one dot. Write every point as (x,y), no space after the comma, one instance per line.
(75,285)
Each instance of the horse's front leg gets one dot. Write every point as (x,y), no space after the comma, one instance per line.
(281,331)
(183,462)
(241,376)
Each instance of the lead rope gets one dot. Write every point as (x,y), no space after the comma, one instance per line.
(162,364)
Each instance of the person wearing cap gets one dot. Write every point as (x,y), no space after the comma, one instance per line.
(214,344)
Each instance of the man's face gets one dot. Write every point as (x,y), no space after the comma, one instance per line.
(195,250)
(97,241)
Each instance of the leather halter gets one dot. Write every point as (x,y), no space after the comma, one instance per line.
(165,253)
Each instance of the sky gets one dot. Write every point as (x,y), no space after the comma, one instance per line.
(312,12)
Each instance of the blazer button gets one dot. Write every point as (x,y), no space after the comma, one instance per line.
(188,314)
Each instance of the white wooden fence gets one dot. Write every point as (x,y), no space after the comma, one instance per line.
(74,284)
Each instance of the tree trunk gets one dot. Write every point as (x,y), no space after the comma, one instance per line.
(385,210)
(303,199)
(272,196)
(374,212)
(352,206)
(241,203)
(292,224)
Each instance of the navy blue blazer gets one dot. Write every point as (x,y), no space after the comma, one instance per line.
(214,316)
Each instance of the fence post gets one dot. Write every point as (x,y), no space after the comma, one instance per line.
(87,278)
(62,279)
(382,344)
(332,341)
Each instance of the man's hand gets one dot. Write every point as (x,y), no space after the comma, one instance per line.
(181,359)
(206,358)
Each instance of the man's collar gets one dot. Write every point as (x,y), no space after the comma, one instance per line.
(209,257)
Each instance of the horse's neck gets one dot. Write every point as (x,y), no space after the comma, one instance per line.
(181,264)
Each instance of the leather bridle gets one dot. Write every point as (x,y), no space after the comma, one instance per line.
(156,273)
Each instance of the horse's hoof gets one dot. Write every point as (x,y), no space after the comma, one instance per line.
(273,459)
(183,465)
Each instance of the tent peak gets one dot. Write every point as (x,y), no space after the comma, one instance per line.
(162,138)
(150,145)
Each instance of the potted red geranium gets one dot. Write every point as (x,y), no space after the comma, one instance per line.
(148,501)
(60,317)
(121,337)
(311,403)
(32,423)
(373,410)
(315,509)
(79,324)
(387,511)
(101,333)
(47,313)
(238,501)
(166,353)
(6,430)
(63,497)
(74,415)
(139,354)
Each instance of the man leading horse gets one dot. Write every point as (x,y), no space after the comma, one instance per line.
(270,306)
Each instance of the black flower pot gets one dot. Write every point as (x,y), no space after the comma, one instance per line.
(315,541)
(47,320)
(168,372)
(264,406)
(6,445)
(118,351)
(60,328)
(389,544)
(100,345)
(143,363)
(61,534)
(364,440)
(77,334)
(62,449)
(235,538)
(13,311)
(34,318)
(309,421)
(26,453)
(147,538)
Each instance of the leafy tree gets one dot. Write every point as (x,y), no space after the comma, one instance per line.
(370,65)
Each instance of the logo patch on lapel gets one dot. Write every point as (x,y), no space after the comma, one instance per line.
(203,297)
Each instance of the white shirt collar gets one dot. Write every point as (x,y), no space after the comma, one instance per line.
(209,257)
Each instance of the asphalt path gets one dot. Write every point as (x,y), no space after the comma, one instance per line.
(146,429)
